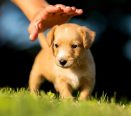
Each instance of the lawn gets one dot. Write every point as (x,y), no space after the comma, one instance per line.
(21,103)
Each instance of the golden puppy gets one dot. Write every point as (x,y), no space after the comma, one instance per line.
(65,60)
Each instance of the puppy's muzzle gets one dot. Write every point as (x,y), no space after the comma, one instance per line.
(64,63)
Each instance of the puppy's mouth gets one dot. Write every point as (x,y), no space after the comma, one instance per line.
(64,63)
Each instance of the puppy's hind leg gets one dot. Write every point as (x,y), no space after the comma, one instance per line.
(35,81)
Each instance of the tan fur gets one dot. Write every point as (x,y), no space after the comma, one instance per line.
(79,70)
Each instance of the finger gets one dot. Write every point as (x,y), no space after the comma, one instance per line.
(70,10)
(73,8)
(60,6)
(33,31)
(79,11)
(53,9)
(33,36)
(66,9)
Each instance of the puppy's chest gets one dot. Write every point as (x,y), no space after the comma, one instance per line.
(73,77)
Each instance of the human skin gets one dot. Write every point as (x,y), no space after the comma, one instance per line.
(43,16)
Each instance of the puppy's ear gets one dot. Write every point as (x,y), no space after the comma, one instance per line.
(88,36)
(50,35)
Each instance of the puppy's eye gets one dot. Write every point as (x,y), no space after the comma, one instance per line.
(74,46)
(56,45)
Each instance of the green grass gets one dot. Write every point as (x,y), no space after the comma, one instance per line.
(22,103)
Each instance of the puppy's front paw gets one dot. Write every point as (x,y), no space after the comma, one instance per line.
(66,97)
(35,92)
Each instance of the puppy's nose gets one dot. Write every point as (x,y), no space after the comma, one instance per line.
(63,62)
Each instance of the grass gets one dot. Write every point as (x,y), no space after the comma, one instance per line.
(22,103)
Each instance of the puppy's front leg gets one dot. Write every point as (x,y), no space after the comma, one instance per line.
(64,89)
(84,94)
(35,81)
(34,84)
(85,89)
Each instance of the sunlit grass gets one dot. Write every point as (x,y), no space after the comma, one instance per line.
(21,103)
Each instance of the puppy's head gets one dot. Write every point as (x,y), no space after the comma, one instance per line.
(69,42)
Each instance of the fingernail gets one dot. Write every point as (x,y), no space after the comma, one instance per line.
(67,7)
(31,36)
(80,11)
(58,6)
(73,8)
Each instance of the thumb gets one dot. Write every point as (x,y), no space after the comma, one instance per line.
(33,36)
(33,31)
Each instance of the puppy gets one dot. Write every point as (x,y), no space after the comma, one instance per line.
(65,60)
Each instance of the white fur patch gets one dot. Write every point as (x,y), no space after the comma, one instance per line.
(73,78)
(61,54)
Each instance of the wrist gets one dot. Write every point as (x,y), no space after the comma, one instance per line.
(30,7)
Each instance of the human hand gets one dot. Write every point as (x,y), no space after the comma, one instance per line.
(50,16)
